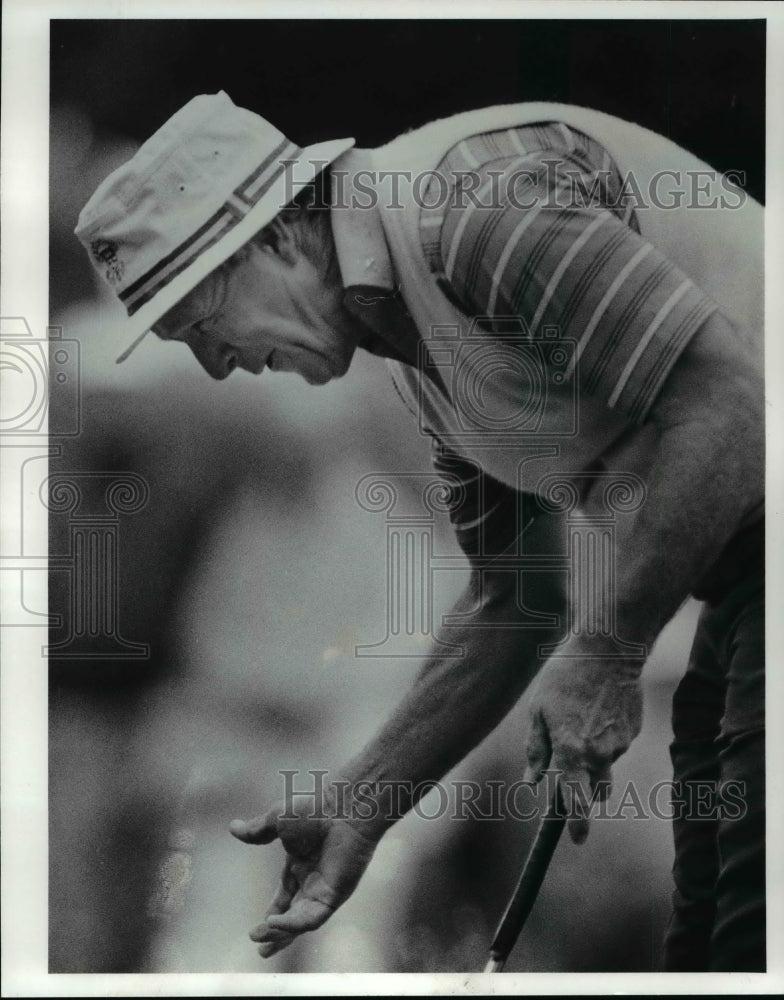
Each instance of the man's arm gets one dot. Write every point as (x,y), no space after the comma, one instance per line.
(700,453)
(453,704)
(456,702)
(655,349)
(701,456)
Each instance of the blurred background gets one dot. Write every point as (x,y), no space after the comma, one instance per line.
(245,573)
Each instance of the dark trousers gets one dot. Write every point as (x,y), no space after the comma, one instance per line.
(718,756)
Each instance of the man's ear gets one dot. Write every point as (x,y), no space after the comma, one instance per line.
(279,236)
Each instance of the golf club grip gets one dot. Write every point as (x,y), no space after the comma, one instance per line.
(530,882)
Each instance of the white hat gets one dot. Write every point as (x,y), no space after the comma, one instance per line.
(194,193)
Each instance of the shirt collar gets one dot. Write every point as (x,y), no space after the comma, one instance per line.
(371,291)
(360,244)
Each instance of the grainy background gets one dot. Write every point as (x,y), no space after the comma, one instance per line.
(252,573)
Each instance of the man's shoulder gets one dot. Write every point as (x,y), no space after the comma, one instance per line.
(503,116)
(439,133)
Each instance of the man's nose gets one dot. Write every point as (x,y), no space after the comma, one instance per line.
(218,360)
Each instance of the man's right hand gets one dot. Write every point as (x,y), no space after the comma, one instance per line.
(582,715)
(325,859)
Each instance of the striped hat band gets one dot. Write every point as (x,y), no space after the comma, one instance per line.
(195,192)
(233,210)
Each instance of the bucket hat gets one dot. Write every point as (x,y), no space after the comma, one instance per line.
(204,184)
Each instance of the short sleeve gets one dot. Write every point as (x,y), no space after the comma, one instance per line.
(544,250)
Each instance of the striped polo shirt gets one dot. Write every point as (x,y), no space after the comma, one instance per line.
(537,223)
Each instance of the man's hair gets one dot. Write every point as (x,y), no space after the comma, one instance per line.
(308,218)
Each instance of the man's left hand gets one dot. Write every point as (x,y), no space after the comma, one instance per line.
(582,715)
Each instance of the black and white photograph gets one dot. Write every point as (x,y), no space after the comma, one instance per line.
(389,405)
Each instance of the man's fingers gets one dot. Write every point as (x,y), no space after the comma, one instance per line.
(531,775)
(268,950)
(305,914)
(264,934)
(576,790)
(270,940)
(261,830)
(281,928)
(537,749)
(603,784)
(287,890)
(288,916)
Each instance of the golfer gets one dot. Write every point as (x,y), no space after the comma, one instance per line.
(561,297)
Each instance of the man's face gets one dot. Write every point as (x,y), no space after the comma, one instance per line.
(273,309)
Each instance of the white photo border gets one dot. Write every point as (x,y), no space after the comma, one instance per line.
(25,181)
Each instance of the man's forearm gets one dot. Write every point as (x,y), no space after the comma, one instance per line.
(455,701)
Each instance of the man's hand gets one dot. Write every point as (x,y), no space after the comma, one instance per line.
(325,859)
(582,715)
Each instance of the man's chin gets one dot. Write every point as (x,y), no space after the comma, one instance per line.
(317,374)
(317,379)
(326,372)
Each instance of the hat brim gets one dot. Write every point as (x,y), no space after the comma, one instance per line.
(308,165)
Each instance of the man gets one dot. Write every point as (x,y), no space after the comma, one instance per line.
(566,302)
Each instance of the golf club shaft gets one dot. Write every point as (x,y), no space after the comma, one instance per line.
(530,882)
